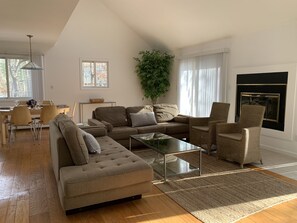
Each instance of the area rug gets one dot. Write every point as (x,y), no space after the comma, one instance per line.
(224,193)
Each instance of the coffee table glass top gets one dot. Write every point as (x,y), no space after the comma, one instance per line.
(168,147)
(165,144)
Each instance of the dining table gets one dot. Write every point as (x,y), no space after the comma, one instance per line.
(5,113)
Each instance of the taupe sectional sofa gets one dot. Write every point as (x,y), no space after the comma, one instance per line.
(85,179)
(121,122)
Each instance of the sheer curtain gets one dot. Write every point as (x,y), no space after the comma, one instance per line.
(201,82)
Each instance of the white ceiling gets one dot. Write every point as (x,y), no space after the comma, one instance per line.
(162,23)
(44,19)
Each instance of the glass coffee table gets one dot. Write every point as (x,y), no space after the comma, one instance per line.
(166,147)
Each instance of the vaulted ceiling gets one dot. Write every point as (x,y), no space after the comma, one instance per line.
(162,23)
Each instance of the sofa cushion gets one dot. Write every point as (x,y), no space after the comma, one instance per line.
(115,115)
(143,119)
(75,142)
(165,112)
(115,167)
(123,132)
(137,109)
(151,128)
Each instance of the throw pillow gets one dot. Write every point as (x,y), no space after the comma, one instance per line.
(91,142)
(75,142)
(165,112)
(143,119)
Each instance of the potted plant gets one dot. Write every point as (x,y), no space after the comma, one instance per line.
(153,69)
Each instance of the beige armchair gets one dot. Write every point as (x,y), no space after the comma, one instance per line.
(203,129)
(240,142)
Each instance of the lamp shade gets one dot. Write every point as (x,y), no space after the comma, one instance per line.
(31,65)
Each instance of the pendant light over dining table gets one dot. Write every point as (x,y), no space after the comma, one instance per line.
(31,65)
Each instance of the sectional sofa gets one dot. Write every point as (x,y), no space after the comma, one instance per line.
(121,122)
(85,179)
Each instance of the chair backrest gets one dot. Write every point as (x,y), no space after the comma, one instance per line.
(47,102)
(20,116)
(48,113)
(20,103)
(219,111)
(251,116)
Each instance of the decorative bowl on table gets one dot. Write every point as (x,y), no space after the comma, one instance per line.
(96,100)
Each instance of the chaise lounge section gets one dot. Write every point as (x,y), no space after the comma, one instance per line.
(114,173)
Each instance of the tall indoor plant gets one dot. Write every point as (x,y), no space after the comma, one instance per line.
(153,69)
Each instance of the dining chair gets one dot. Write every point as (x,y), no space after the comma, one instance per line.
(21,117)
(47,102)
(240,142)
(47,113)
(203,129)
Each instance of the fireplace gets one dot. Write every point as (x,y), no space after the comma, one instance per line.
(267,89)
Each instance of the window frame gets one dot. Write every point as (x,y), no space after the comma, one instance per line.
(94,61)
(8,87)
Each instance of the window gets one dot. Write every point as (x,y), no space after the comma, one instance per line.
(94,74)
(201,82)
(14,82)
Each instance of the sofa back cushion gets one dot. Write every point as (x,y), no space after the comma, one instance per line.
(75,142)
(165,112)
(137,109)
(115,115)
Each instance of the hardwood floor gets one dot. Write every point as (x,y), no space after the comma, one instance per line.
(28,193)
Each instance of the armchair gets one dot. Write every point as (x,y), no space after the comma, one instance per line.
(240,142)
(203,129)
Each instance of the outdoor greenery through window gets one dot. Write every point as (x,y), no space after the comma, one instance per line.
(94,74)
(14,82)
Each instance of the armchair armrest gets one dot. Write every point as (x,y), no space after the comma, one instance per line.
(252,134)
(199,121)
(227,128)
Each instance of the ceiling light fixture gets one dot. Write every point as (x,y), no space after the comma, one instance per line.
(31,65)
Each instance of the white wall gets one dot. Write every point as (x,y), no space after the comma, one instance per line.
(94,32)
(268,50)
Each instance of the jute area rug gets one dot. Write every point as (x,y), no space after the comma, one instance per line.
(224,192)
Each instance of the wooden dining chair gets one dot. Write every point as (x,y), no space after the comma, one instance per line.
(20,117)
(47,113)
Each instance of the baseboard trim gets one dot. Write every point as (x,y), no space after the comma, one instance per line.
(270,148)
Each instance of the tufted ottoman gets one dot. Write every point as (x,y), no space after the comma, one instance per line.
(113,174)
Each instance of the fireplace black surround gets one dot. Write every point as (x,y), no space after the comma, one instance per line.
(267,89)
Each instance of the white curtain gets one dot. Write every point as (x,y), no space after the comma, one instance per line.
(201,82)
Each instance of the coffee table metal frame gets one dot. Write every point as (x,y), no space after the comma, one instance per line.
(194,148)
